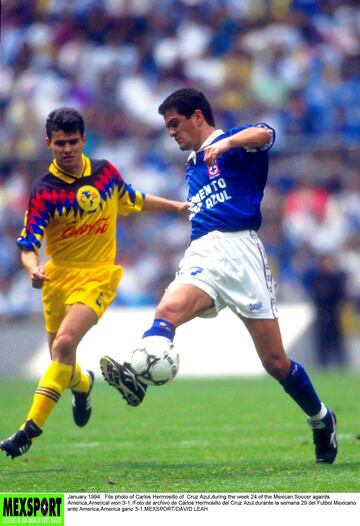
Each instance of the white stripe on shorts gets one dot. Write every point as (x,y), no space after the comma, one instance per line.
(267,272)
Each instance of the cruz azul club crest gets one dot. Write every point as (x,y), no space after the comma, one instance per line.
(213,170)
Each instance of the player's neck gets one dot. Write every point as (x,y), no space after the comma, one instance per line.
(205,133)
(76,170)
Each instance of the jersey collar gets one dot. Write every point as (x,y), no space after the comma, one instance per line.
(68,177)
(209,140)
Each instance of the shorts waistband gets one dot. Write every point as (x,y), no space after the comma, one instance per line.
(217,234)
(81,264)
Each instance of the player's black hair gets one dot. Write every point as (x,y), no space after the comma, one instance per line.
(185,101)
(67,120)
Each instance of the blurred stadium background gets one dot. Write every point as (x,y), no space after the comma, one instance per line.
(293,64)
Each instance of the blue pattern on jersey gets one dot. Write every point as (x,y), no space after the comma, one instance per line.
(227,195)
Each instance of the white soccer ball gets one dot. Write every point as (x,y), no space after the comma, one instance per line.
(155,361)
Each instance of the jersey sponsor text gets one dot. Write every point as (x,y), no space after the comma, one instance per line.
(210,194)
(98,227)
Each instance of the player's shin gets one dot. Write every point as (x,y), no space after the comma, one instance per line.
(298,385)
(321,419)
(51,386)
(80,381)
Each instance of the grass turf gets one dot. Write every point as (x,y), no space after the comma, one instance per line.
(218,435)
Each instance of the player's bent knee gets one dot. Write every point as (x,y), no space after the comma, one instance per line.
(64,348)
(277,367)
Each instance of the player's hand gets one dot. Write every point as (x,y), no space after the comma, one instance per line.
(183,208)
(212,152)
(38,277)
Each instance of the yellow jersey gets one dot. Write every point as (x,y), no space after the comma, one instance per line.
(77,216)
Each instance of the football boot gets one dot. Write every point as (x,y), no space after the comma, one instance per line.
(20,442)
(124,380)
(324,437)
(81,404)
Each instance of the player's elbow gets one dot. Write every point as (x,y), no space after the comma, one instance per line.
(262,137)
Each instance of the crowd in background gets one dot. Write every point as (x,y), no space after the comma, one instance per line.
(293,64)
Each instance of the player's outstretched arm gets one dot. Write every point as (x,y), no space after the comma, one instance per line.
(152,203)
(254,137)
(31,262)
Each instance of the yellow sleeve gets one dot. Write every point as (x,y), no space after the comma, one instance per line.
(130,200)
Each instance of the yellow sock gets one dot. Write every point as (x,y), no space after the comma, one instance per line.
(80,382)
(48,392)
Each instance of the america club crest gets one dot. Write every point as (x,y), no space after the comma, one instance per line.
(88,198)
(213,170)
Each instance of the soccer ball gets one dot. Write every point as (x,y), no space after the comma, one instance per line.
(155,362)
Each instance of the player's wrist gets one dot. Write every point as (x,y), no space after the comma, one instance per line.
(229,143)
(183,207)
(29,269)
(35,270)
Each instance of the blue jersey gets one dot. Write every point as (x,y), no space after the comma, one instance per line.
(227,195)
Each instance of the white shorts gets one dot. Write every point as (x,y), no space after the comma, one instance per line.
(232,268)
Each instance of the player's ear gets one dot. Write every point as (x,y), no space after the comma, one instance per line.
(198,116)
(47,142)
(83,138)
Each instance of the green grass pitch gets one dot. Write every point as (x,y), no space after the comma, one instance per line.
(208,435)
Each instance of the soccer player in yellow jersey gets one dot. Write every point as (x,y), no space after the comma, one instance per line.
(75,208)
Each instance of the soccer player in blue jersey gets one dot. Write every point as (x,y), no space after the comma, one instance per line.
(225,264)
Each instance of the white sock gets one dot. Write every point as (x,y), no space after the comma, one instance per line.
(320,415)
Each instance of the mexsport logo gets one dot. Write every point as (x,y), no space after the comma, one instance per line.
(88,198)
(31,506)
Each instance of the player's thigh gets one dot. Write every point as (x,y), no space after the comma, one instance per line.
(267,339)
(182,302)
(54,308)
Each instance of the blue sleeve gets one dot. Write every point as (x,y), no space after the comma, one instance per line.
(267,146)
(36,220)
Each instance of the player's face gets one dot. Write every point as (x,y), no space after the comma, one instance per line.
(186,132)
(67,149)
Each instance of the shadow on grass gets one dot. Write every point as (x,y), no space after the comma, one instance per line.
(231,467)
(28,472)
